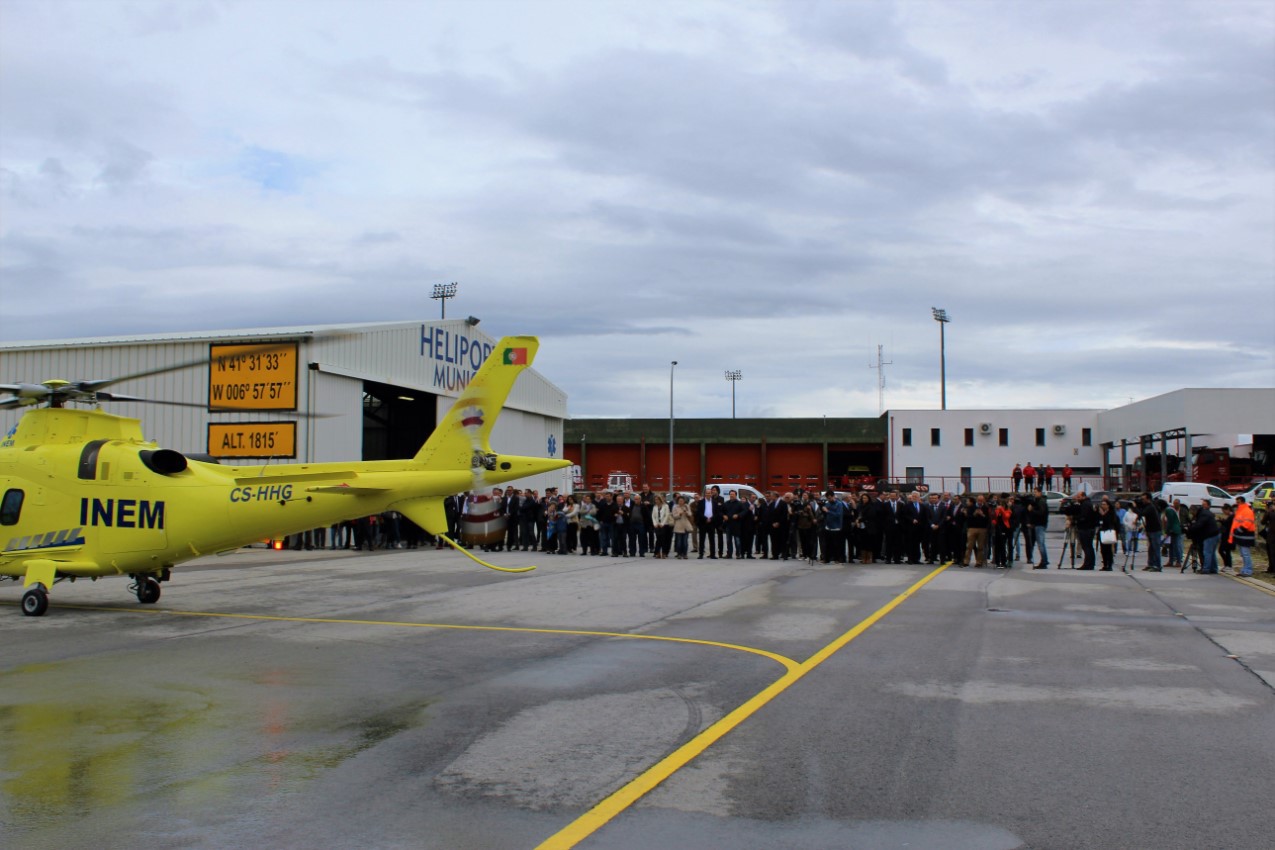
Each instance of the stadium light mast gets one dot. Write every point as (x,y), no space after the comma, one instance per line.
(443,291)
(733,375)
(940,316)
(672,366)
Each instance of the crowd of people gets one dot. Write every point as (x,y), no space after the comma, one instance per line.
(1186,536)
(1026,477)
(833,527)
(867,527)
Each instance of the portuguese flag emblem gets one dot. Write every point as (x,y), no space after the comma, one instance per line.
(515,357)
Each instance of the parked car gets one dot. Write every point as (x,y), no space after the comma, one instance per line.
(1192,493)
(741,490)
(1053,498)
(1257,495)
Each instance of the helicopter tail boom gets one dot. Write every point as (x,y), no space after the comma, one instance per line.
(465,431)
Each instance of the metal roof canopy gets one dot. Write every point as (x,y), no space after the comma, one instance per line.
(1185,414)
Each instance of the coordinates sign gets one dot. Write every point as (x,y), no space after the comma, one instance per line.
(252,439)
(256,376)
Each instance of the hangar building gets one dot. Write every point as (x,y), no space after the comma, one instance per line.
(299,394)
(959,450)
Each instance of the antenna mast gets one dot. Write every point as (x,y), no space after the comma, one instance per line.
(880,367)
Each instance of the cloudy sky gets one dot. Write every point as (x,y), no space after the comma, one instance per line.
(773,187)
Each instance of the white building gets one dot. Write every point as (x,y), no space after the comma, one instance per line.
(336,392)
(977,449)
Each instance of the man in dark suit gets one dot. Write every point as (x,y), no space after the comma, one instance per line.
(708,520)
(733,510)
(747,525)
(777,517)
(1084,517)
(893,519)
(762,523)
(914,525)
(511,507)
(954,529)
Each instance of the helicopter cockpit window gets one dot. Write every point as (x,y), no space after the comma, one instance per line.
(11,507)
(88,459)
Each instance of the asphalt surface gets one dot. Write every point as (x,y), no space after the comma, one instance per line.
(404,699)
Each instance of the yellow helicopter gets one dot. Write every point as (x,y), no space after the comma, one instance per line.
(84,495)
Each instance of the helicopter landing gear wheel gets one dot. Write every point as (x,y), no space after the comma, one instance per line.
(35,602)
(147,591)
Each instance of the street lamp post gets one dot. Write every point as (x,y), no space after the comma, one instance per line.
(670,430)
(443,291)
(733,375)
(940,316)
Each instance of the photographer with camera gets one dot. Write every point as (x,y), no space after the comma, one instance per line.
(1204,532)
(1084,519)
(1150,516)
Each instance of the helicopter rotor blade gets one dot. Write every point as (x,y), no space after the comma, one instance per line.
(58,392)
(94,386)
(100,396)
(33,392)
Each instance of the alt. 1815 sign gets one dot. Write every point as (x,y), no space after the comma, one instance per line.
(252,439)
(256,376)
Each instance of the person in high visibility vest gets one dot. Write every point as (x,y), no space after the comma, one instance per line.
(1244,534)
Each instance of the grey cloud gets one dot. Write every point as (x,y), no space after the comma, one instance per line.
(124,163)
(711,226)
(378,237)
(870,31)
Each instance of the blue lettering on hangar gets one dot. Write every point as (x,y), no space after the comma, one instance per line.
(456,357)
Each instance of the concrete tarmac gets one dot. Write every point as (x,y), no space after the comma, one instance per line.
(414,699)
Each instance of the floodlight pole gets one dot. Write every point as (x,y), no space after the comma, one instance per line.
(940,316)
(733,375)
(443,291)
(670,430)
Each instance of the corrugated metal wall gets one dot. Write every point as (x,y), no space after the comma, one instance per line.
(346,356)
(181,428)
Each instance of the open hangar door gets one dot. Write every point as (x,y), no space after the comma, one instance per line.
(849,462)
(396,420)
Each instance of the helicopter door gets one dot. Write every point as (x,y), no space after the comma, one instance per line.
(125,521)
(124,515)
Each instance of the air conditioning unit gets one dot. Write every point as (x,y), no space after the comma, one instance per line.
(1059,430)
(985,428)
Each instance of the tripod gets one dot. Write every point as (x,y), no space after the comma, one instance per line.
(1131,549)
(1130,560)
(1192,559)
(1069,542)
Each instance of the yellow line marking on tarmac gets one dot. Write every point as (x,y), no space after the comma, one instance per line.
(1251,582)
(597,817)
(787,663)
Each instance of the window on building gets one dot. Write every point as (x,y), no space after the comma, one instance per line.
(915,474)
(907,436)
(1004,434)
(969,436)
(1040,436)
(1086,436)
(934,437)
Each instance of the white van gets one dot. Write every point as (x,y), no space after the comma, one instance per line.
(1192,493)
(741,490)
